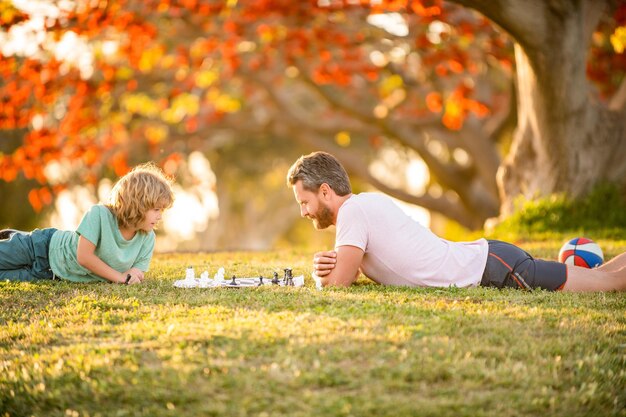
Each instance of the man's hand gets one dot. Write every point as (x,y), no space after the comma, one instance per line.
(337,267)
(324,262)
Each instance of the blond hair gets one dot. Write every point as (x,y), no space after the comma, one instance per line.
(144,188)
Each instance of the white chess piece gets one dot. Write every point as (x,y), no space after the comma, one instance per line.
(190,274)
(298,281)
(189,281)
(318,281)
(204,281)
(190,278)
(219,275)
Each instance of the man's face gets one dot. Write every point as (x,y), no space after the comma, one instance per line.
(312,207)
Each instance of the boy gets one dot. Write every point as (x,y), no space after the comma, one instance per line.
(114,242)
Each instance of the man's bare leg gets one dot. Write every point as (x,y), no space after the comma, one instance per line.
(615,264)
(584,279)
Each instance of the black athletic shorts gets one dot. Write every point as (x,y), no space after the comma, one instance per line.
(509,266)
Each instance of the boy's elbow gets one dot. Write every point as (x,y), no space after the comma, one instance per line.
(82,259)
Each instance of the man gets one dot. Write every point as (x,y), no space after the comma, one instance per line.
(375,237)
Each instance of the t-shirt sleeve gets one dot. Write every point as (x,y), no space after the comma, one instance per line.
(145,253)
(352,227)
(90,226)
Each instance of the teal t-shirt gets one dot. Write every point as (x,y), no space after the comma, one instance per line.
(99,226)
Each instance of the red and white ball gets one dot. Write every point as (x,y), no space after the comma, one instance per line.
(582,252)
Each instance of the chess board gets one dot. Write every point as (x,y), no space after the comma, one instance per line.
(241,282)
(257,282)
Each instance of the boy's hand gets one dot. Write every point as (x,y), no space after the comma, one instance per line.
(324,262)
(136,272)
(136,276)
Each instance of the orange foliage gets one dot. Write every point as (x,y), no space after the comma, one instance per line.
(421,10)
(39,197)
(119,163)
(82,119)
(458,105)
(434,102)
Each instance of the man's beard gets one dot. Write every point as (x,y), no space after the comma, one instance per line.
(323,218)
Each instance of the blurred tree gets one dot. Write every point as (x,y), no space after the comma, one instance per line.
(101,85)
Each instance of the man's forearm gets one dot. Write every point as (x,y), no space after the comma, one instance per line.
(338,277)
(339,267)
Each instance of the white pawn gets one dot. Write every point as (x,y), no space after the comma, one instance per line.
(219,276)
(190,277)
(204,281)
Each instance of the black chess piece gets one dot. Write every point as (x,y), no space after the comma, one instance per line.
(233,282)
(288,277)
(275,280)
(260,280)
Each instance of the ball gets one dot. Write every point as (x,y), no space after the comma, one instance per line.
(582,252)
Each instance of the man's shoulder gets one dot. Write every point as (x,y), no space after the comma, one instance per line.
(368,196)
(365,205)
(369,199)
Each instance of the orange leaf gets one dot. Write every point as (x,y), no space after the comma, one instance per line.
(441,70)
(455,66)
(434,102)
(91,156)
(34,200)
(119,163)
(45,195)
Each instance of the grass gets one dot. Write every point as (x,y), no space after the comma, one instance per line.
(155,350)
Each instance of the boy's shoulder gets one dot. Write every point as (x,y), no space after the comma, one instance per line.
(100,209)
(97,214)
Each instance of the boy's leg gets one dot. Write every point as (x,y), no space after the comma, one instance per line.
(6,233)
(24,256)
(23,275)
(16,257)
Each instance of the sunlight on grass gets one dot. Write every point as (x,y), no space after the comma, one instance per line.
(155,350)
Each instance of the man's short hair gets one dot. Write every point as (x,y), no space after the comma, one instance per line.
(318,168)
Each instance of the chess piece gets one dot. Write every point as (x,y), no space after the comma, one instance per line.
(204,281)
(190,274)
(190,279)
(260,281)
(219,276)
(275,280)
(233,282)
(288,280)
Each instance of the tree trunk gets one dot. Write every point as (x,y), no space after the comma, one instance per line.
(566,140)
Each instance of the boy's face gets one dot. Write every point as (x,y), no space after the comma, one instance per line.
(151,219)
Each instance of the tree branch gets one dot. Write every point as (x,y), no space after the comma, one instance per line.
(618,101)
(444,205)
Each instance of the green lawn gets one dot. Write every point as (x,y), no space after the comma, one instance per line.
(155,350)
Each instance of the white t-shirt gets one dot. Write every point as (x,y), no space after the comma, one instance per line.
(400,251)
